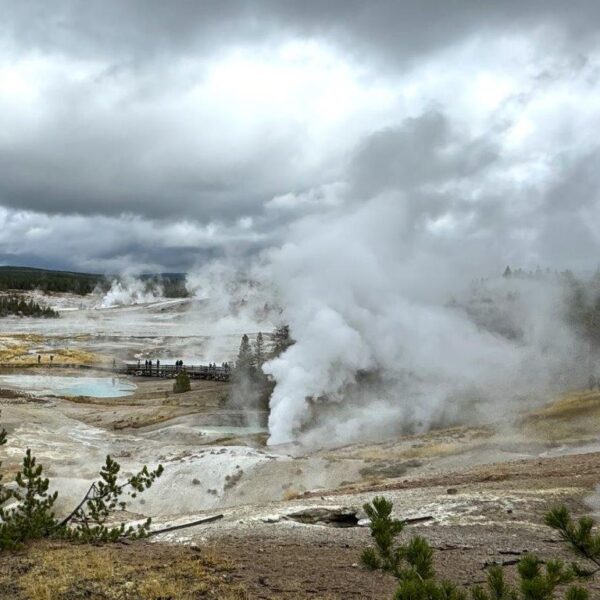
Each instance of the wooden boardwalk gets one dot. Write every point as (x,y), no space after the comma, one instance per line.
(132,369)
(214,373)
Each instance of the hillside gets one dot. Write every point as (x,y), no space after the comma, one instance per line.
(28,278)
(46,280)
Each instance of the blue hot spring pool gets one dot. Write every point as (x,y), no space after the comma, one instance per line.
(96,387)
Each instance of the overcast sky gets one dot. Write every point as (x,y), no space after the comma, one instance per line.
(158,135)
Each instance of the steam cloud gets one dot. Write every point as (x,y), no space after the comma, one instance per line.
(379,349)
(375,280)
(367,268)
(128,290)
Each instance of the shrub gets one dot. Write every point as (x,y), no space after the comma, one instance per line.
(412,563)
(30,515)
(182,383)
(104,497)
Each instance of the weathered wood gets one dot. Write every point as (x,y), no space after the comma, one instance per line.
(170,371)
(133,370)
(185,525)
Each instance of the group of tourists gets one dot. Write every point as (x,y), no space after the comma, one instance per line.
(148,364)
(150,367)
(224,365)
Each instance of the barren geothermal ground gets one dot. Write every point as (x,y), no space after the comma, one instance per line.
(292,523)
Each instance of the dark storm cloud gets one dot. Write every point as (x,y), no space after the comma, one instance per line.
(112,244)
(184,117)
(579,185)
(81,167)
(142,28)
(420,150)
(137,154)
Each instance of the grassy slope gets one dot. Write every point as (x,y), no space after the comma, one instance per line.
(136,571)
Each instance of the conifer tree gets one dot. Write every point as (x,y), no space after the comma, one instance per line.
(412,563)
(259,351)
(30,515)
(245,359)
(182,383)
(281,340)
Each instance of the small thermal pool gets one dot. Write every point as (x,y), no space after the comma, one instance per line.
(96,387)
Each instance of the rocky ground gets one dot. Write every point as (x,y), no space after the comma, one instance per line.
(292,523)
(473,518)
(297,549)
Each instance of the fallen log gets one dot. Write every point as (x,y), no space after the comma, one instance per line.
(415,520)
(185,525)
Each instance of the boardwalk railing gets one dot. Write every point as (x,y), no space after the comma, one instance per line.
(170,371)
(133,369)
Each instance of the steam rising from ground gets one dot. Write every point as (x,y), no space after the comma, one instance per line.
(373,269)
(236,298)
(393,332)
(381,349)
(129,290)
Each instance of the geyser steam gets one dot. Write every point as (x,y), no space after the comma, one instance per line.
(128,290)
(379,347)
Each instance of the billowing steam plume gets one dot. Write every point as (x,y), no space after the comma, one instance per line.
(129,290)
(381,348)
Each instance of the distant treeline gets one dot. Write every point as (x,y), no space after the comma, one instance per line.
(15,305)
(538,273)
(28,279)
(582,299)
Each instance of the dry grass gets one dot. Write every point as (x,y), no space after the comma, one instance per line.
(575,416)
(138,571)
(23,349)
(291,494)
(144,420)
(80,357)
(434,443)
(571,405)
(417,450)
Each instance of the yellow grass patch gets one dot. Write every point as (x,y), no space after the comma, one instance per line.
(437,443)
(23,350)
(575,415)
(144,420)
(60,571)
(571,405)
(291,494)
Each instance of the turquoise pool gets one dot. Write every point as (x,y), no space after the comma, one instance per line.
(96,387)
